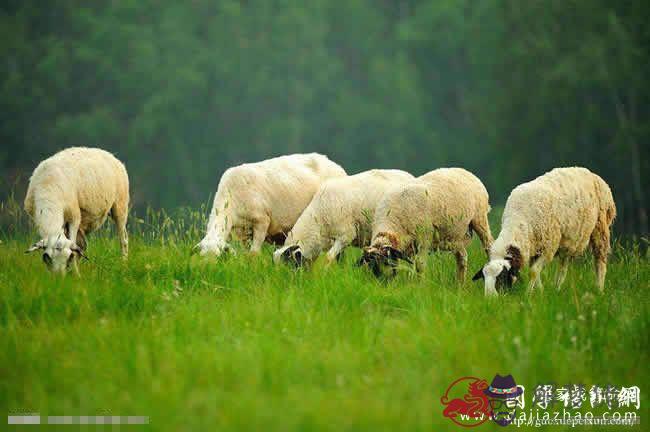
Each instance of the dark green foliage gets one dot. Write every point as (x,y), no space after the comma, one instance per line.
(182,90)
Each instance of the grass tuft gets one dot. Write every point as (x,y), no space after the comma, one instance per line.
(239,343)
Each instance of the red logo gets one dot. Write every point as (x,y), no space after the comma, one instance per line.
(472,407)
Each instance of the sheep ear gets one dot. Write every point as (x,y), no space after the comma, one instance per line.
(36,246)
(478,275)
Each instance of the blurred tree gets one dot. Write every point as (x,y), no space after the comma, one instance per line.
(181,91)
(576,93)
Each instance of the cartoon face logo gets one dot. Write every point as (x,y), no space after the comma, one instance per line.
(505,397)
(472,407)
(470,401)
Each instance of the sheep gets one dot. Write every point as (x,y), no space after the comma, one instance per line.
(559,213)
(340,214)
(438,210)
(70,195)
(263,200)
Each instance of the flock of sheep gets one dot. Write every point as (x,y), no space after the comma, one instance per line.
(311,205)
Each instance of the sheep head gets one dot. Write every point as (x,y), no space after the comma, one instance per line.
(289,254)
(58,252)
(381,257)
(210,246)
(501,274)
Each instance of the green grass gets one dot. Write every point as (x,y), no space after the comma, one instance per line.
(200,344)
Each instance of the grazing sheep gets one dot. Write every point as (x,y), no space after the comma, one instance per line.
(438,210)
(559,213)
(263,200)
(70,195)
(340,214)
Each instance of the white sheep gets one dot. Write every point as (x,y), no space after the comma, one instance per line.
(438,210)
(263,200)
(70,195)
(559,213)
(340,214)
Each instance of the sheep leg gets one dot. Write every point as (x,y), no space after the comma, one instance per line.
(119,214)
(461,264)
(601,271)
(80,241)
(72,231)
(260,229)
(336,249)
(482,228)
(561,274)
(535,276)
(600,247)
(72,224)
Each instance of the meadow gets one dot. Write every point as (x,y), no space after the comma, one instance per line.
(240,344)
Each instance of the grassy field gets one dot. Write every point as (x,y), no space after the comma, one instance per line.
(240,344)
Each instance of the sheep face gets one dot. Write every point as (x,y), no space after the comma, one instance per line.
(382,260)
(289,254)
(498,274)
(58,252)
(211,246)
